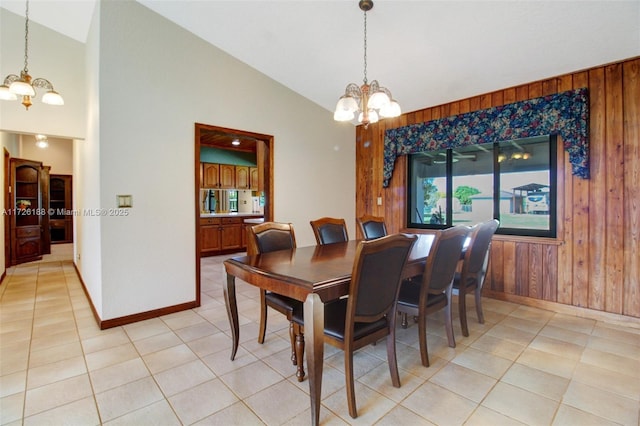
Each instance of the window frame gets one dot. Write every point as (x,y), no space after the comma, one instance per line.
(551,232)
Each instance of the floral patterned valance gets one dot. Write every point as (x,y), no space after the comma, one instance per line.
(565,114)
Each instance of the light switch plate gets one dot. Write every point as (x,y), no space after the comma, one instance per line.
(124,201)
(379,201)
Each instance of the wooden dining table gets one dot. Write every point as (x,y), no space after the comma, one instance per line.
(314,275)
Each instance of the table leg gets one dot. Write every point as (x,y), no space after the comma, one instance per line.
(314,342)
(232,312)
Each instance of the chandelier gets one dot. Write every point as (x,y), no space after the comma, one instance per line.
(24,85)
(371,101)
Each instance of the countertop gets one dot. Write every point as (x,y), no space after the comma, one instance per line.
(204,215)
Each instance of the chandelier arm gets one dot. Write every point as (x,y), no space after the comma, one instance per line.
(353,90)
(42,83)
(10,79)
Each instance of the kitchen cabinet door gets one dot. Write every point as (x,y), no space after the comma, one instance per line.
(210,175)
(254,184)
(242,177)
(210,236)
(231,233)
(227,176)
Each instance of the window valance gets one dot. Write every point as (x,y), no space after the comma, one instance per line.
(565,114)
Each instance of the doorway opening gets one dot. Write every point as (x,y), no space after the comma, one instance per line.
(261,145)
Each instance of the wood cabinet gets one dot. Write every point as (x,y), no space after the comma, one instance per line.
(25,210)
(227,176)
(210,175)
(231,233)
(243,179)
(247,178)
(210,236)
(220,234)
(217,176)
(60,206)
(254,183)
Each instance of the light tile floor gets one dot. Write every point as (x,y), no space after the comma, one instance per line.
(523,366)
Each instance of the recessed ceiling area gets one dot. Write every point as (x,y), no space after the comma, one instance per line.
(224,140)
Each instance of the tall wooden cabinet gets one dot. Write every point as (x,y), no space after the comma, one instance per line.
(26,210)
(60,205)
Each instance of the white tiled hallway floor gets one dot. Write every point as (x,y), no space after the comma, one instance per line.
(524,366)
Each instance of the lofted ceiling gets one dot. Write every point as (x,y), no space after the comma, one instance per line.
(426,52)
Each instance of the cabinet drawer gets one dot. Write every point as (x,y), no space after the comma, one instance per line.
(26,232)
(231,220)
(210,221)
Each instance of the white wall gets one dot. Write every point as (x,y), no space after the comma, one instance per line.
(155,81)
(53,56)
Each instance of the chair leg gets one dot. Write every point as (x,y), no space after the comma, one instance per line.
(449,325)
(392,360)
(348,371)
(422,338)
(478,293)
(292,338)
(404,323)
(263,317)
(462,310)
(299,353)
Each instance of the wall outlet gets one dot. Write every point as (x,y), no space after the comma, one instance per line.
(379,201)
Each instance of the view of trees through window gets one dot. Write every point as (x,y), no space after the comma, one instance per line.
(512,181)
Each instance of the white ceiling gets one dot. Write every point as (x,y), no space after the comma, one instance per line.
(426,52)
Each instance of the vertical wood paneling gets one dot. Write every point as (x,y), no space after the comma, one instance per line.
(535,271)
(522,273)
(509,266)
(595,263)
(565,220)
(497,266)
(615,194)
(598,194)
(549,273)
(631,105)
(580,282)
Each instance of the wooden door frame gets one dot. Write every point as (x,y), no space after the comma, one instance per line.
(264,159)
(7,203)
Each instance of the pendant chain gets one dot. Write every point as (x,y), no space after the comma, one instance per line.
(26,39)
(365,47)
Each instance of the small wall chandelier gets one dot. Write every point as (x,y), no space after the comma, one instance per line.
(371,101)
(24,85)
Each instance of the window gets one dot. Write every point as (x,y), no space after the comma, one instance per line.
(512,181)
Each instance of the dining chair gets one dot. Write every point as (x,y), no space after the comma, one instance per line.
(329,230)
(267,237)
(474,270)
(432,291)
(372,227)
(369,312)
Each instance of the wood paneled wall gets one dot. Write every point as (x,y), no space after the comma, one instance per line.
(595,261)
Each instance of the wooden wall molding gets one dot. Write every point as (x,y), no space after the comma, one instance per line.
(128,319)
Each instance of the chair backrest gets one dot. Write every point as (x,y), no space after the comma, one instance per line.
(476,257)
(376,277)
(372,227)
(329,230)
(270,236)
(442,261)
